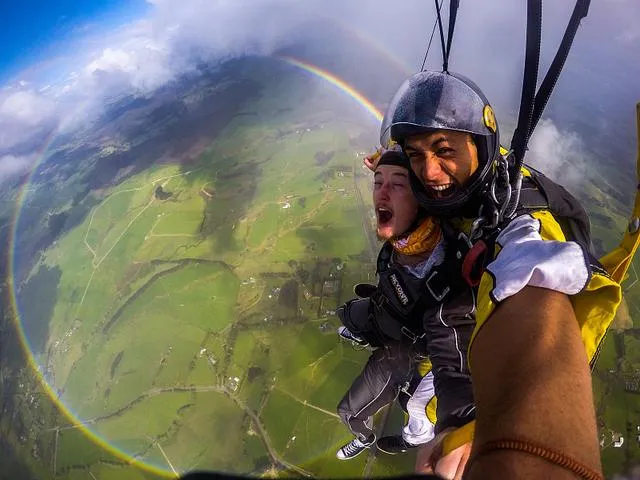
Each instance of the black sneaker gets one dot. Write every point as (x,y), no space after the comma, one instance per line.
(394,444)
(352,449)
(345,333)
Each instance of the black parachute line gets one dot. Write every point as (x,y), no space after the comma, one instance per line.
(433,31)
(580,11)
(533,103)
(453,13)
(529,79)
(442,41)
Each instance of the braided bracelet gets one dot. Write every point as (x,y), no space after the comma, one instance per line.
(537,450)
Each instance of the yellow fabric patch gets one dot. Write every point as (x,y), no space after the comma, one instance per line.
(618,261)
(595,308)
(431,409)
(423,239)
(596,305)
(549,228)
(424,367)
(458,437)
(484,306)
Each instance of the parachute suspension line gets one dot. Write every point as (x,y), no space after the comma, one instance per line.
(445,63)
(533,103)
(529,82)
(580,11)
(433,31)
(527,102)
(453,13)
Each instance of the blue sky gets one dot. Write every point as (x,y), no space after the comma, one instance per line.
(30,30)
(74,55)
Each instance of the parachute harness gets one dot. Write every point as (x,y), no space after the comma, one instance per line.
(501,195)
(501,198)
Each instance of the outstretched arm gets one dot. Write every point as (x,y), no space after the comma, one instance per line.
(532,382)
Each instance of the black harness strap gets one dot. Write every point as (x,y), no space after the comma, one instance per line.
(433,31)
(453,13)
(580,11)
(532,104)
(442,43)
(529,81)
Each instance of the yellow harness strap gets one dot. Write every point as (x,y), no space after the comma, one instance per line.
(616,263)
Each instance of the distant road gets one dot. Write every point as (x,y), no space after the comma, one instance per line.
(307,404)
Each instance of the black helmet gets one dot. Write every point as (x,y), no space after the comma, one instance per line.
(429,101)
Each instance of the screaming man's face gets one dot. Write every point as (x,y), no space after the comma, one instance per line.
(393,199)
(443,159)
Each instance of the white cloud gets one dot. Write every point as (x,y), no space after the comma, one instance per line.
(111,59)
(26,107)
(11,166)
(177,34)
(560,155)
(149,53)
(26,118)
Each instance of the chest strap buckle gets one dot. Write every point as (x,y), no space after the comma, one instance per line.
(410,335)
(437,296)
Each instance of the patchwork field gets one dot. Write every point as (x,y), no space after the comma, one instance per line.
(192,325)
(187,318)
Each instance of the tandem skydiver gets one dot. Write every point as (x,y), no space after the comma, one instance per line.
(389,317)
(543,302)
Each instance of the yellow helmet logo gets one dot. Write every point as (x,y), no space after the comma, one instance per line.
(489,118)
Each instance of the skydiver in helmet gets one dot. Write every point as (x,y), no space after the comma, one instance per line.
(389,317)
(543,303)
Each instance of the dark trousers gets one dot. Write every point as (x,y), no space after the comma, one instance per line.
(378,384)
(448,329)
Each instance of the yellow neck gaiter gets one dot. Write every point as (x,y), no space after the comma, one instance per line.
(423,239)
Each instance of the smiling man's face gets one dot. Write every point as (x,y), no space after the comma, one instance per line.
(443,159)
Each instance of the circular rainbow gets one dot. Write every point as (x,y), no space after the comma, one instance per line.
(368,106)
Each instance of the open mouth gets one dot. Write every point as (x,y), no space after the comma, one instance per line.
(441,191)
(384,215)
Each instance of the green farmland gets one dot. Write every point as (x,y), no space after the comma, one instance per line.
(192,323)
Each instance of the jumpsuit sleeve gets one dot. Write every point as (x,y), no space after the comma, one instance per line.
(448,330)
(531,250)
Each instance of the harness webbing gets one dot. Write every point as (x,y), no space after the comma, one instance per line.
(618,261)
(453,12)
(433,31)
(529,82)
(532,104)
(442,42)
(580,11)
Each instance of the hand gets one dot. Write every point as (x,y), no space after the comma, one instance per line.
(450,466)
(371,161)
